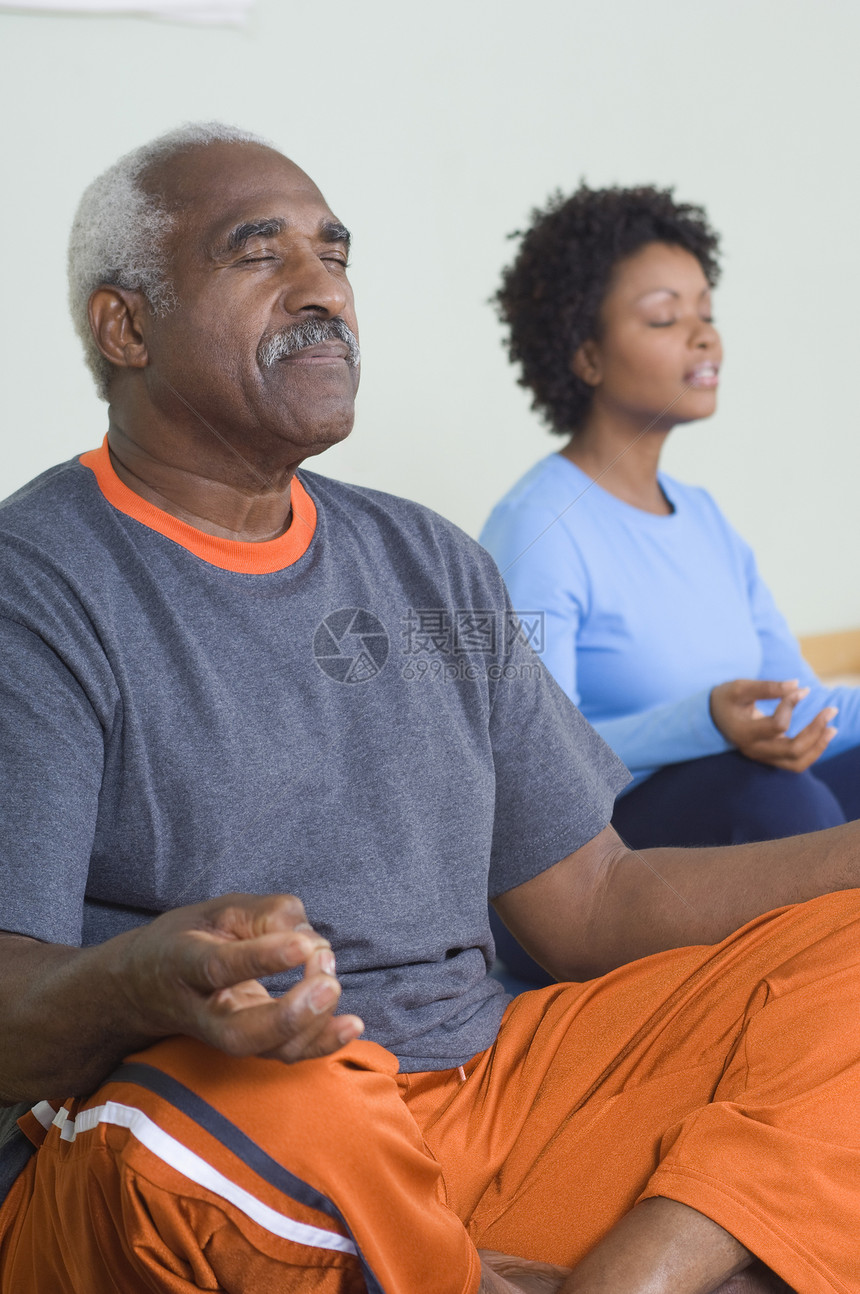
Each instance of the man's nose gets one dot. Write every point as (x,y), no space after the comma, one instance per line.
(312,287)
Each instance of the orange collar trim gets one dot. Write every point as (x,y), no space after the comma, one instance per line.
(230,554)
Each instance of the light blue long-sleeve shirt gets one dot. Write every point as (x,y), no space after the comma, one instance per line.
(645,614)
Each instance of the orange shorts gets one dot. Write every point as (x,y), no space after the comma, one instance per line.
(725,1077)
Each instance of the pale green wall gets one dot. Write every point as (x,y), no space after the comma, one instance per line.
(433,129)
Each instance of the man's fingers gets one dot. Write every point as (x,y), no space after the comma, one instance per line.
(211,962)
(336,1033)
(197,971)
(244,916)
(321,961)
(293,1020)
(297,1026)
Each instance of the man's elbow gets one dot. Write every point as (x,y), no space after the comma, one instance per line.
(574,919)
(580,965)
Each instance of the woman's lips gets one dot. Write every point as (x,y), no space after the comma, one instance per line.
(703,375)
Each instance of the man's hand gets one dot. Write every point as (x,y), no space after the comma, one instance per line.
(69,1015)
(762,737)
(196,971)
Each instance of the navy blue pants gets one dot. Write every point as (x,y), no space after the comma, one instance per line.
(720,800)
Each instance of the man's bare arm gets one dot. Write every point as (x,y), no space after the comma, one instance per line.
(607,905)
(68,1015)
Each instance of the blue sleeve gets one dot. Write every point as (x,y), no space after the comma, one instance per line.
(667,734)
(531,552)
(781,659)
(545,572)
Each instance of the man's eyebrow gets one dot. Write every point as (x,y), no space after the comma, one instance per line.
(332,231)
(238,237)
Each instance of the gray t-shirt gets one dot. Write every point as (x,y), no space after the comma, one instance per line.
(365,727)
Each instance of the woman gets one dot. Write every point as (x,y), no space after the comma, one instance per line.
(657,623)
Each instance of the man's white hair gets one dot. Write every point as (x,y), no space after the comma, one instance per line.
(119,232)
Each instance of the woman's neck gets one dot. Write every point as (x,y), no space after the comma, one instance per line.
(625,462)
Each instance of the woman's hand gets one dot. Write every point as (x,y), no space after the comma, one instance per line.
(762,737)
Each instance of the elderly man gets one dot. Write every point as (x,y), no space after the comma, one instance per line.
(218,676)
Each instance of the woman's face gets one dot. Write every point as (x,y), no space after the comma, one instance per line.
(658,354)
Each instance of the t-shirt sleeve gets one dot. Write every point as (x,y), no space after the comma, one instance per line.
(52,760)
(556,779)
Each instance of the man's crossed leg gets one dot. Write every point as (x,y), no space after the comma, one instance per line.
(709,1090)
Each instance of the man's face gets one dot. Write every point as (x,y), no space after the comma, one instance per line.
(255,251)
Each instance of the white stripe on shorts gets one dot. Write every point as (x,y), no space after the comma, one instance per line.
(185,1161)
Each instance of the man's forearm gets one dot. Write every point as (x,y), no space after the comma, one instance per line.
(65,1020)
(607,905)
(68,1015)
(670,898)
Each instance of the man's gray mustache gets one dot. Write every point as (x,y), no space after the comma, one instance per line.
(308,333)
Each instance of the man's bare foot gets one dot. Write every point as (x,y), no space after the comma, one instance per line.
(504,1274)
(756,1279)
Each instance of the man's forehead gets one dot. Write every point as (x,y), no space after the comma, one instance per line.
(225,183)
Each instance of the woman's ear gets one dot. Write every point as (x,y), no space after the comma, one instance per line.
(586,363)
(117,319)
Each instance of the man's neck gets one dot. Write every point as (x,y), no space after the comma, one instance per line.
(216,492)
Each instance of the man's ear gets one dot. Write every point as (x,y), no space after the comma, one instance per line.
(118,318)
(586,363)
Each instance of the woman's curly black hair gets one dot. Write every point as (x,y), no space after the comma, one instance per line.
(551,296)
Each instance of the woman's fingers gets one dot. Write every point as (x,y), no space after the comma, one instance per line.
(783,712)
(795,753)
(733,706)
